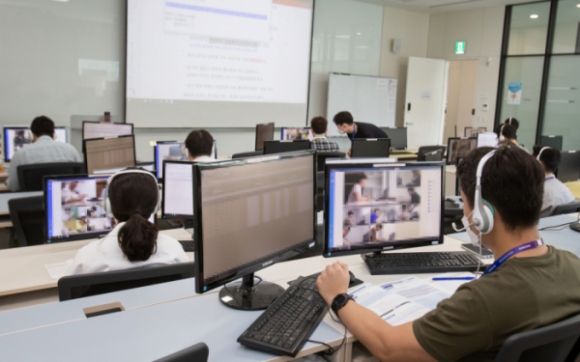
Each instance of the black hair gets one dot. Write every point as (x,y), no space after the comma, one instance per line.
(42,126)
(512,182)
(199,143)
(509,132)
(550,158)
(350,212)
(133,199)
(319,125)
(512,122)
(343,117)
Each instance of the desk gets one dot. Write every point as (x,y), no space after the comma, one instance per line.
(406,155)
(24,280)
(574,187)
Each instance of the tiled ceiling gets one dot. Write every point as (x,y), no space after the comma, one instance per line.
(443,6)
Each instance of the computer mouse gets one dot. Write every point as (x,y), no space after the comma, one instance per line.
(352,277)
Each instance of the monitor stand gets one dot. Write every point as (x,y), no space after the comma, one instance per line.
(246,295)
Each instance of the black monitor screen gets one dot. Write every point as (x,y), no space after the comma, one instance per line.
(569,169)
(271,147)
(398,137)
(370,147)
(264,132)
(552,141)
(247,213)
(380,206)
(459,147)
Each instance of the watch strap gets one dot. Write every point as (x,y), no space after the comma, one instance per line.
(340,301)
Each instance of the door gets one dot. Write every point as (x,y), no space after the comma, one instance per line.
(461,87)
(425,101)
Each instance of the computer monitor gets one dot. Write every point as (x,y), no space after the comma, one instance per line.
(264,132)
(370,147)
(177,201)
(376,205)
(459,147)
(75,209)
(487,139)
(175,151)
(109,155)
(552,141)
(424,150)
(249,214)
(16,138)
(398,137)
(271,147)
(294,133)
(93,129)
(474,131)
(569,168)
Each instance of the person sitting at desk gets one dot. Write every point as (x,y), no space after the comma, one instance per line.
(199,145)
(69,193)
(555,192)
(533,286)
(355,194)
(415,198)
(134,242)
(349,220)
(375,233)
(376,216)
(346,125)
(319,127)
(509,137)
(44,149)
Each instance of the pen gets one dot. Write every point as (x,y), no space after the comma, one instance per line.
(453,278)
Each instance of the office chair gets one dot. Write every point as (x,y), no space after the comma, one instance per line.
(554,343)
(566,209)
(27,215)
(195,353)
(30,177)
(85,285)
(322,156)
(247,154)
(427,149)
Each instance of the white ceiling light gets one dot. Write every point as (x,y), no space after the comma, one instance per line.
(578,5)
(534,16)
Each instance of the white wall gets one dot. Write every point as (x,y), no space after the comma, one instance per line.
(482,29)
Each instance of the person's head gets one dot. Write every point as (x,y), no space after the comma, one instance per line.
(42,126)
(199,143)
(344,122)
(404,208)
(509,133)
(351,214)
(376,211)
(411,190)
(73,185)
(318,125)
(513,122)
(549,157)
(379,227)
(362,181)
(133,198)
(512,185)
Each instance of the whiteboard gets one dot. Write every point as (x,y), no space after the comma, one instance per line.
(369,99)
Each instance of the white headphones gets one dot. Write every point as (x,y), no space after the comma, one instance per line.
(542,150)
(107,202)
(482,210)
(509,121)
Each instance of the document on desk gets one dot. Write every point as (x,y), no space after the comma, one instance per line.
(58,270)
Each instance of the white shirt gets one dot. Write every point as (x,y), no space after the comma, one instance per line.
(106,255)
(204,159)
(352,196)
(44,150)
(556,193)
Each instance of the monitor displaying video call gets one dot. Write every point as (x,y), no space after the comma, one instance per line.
(16,138)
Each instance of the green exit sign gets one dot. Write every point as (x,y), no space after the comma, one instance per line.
(459,47)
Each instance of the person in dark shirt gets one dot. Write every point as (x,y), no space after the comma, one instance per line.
(415,198)
(345,124)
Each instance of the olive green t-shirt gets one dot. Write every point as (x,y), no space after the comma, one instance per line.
(521,295)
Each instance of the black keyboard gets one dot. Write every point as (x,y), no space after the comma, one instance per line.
(289,321)
(187,245)
(412,263)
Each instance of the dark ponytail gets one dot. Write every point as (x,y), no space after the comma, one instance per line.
(133,199)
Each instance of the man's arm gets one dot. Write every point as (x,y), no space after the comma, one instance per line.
(385,342)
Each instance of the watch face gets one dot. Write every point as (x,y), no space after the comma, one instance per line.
(340,299)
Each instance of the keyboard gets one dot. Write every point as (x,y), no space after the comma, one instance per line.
(413,263)
(187,245)
(289,321)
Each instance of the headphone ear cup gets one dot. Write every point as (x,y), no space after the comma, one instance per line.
(487,224)
(158,207)
(107,205)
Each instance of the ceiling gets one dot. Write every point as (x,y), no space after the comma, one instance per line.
(443,6)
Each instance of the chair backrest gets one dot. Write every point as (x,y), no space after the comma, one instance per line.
(195,353)
(247,154)
(434,156)
(85,285)
(30,177)
(322,156)
(550,343)
(566,209)
(427,149)
(27,215)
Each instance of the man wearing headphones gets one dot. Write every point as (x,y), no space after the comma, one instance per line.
(530,285)
(555,192)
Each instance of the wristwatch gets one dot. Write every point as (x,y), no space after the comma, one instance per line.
(340,301)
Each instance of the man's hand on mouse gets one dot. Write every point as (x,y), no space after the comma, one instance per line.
(333,281)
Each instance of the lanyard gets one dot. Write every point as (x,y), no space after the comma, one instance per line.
(518,249)
(353,131)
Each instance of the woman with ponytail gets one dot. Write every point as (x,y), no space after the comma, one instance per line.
(134,242)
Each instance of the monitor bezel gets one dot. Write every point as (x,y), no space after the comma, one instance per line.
(97,122)
(287,142)
(370,163)
(85,236)
(107,138)
(364,140)
(256,265)
(256,134)
(159,177)
(447,162)
(548,137)
(164,215)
